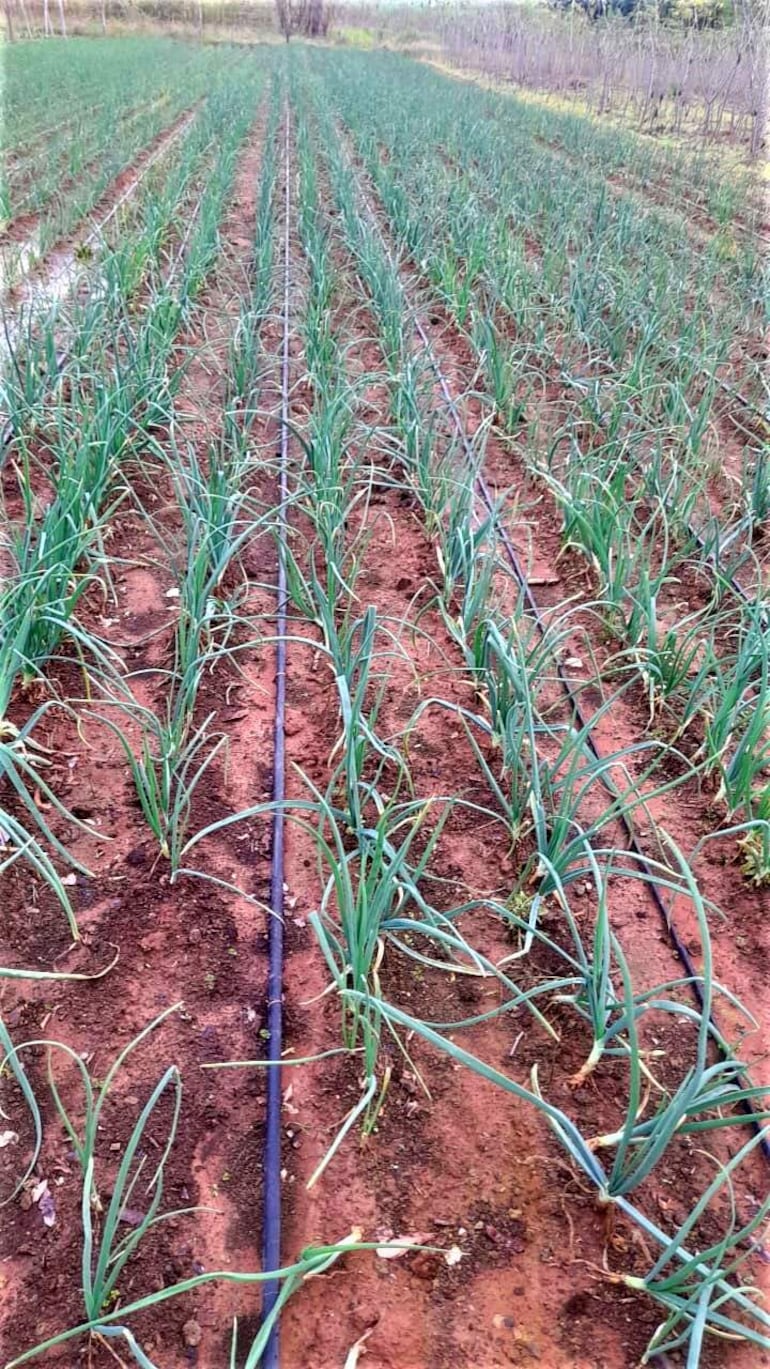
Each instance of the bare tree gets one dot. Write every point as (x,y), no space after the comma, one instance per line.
(310,17)
(283,14)
(62,21)
(672,72)
(316,19)
(25,18)
(8,7)
(754,32)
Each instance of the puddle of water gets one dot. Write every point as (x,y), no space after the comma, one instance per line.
(18,259)
(44,292)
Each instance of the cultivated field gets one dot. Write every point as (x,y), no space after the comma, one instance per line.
(384,681)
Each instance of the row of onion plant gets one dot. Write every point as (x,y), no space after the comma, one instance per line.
(91,412)
(544,775)
(628,495)
(217,519)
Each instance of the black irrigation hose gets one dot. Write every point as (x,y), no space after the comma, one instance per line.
(569,694)
(742,399)
(571,697)
(722,577)
(271,1235)
(271,1231)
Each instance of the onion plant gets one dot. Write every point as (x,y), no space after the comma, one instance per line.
(616,348)
(174,753)
(30,837)
(141,1169)
(106,1251)
(601,326)
(698,1293)
(115,382)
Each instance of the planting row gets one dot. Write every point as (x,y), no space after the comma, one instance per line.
(457,870)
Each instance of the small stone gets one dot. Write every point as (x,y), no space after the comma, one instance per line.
(364,1316)
(425,1264)
(194,936)
(131,1216)
(154,941)
(191,1333)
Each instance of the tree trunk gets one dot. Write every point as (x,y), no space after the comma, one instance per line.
(62,21)
(104,16)
(759,125)
(8,4)
(283,14)
(47,25)
(25,18)
(315,19)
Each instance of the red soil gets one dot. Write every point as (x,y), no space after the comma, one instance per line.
(466,1166)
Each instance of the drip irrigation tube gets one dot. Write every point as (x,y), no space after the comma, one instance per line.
(584,726)
(271,1233)
(569,694)
(726,578)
